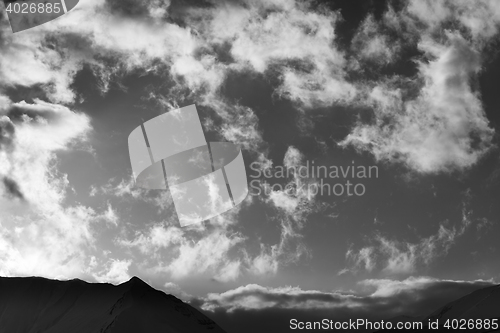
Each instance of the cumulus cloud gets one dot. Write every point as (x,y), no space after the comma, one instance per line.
(481,19)
(291,37)
(195,249)
(26,60)
(157,237)
(117,272)
(39,235)
(266,34)
(435,123)
(287,36)
(207,253)
(230,271)
(52,54)
(444,127)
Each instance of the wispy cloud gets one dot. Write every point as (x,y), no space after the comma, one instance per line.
(371,45)
(402,257)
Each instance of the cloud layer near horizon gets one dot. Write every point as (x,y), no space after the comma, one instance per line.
(382,299)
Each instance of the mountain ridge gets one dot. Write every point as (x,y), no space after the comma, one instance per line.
(40,305)
(474,305)
(483,303)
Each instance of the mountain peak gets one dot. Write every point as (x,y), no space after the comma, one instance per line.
(136,279)
(136,283)
(131,307)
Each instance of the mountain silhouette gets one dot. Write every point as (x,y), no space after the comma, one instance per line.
(39,305)
(480,304)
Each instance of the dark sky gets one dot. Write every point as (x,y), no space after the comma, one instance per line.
(408,88)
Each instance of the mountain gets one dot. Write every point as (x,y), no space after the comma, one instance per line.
(480,304)
(39,305)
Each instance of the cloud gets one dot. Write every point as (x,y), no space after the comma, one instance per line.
(116,273)
(363,258)
(229,272)
(52,54)
(444,128)
(257,297)
(216,248)
(286,36)
(294,201)
(182,252)
(481,19)
(435,122)
(264,35)
(240,125)
(418,288)
(371,44)
(296,198)
(174,289)
(157,237)
(41,235)
(128,8)
(402,257)
(267,262)
(110,215)
(206,254)
(46,58)
(289,36)
(383,299)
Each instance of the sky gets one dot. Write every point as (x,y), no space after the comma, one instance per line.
(406,89)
